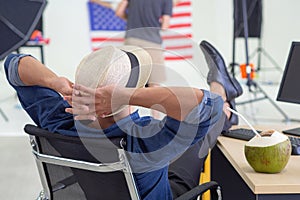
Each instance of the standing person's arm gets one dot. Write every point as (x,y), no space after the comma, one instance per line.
(102,3)
(166,14)
(33,72)
(165,22)
(121,9)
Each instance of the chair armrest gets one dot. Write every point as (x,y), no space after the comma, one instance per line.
(213,186)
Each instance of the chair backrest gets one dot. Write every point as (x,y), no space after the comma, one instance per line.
(81,168)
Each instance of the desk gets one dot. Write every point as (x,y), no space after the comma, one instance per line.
(240,182)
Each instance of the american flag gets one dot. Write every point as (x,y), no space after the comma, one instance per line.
(108,29)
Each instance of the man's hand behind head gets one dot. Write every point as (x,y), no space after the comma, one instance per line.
(100,102)
(62,85)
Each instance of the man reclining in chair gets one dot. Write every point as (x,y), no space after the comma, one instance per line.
(106,82)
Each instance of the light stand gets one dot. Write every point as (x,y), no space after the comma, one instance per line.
(4,116)
(251,83)
(22,28)
(261,51)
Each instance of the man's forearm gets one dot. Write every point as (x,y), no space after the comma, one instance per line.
(26,70)
(33,72)
(176,102)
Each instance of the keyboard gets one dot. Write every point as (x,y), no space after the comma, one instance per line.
(295,141)
(241,134)
(247,134)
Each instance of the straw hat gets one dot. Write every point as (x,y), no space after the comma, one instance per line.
(127,66)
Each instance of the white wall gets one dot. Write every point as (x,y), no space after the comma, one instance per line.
(66,23)
(213,20)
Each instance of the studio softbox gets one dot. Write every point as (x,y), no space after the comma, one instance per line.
(254,15)
(18,19)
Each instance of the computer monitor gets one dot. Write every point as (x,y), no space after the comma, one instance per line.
(289,85)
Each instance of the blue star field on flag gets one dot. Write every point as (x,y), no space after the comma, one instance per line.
(103,18)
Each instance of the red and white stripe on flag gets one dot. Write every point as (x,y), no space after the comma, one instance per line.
(100,38)
(177,40)
(106,29)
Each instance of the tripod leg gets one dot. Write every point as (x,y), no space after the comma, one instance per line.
(3,115)
(287,119)
(253,54)
(259,51)
(271,60)
(265,96)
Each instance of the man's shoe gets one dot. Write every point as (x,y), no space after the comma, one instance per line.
(233,120)
(218,71)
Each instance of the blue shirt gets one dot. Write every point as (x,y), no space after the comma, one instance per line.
(151,143)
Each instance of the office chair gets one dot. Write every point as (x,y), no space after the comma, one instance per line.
(68,170)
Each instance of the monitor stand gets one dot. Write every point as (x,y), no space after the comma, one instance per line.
(294,131)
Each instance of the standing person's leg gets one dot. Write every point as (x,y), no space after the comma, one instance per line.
(158,74)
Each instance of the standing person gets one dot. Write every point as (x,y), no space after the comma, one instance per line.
(145,20)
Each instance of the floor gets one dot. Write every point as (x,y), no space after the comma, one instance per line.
(18,172)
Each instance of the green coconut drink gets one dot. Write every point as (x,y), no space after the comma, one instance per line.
(269,153)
